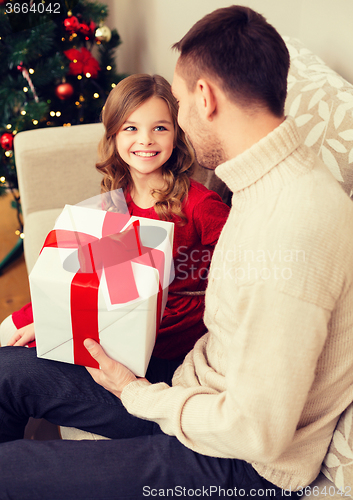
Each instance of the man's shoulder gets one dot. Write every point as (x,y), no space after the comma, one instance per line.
(315,234)
(318,196)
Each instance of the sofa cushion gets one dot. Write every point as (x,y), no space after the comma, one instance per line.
(338,463)
(321,102)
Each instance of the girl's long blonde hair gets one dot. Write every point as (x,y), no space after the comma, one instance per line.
(123,100)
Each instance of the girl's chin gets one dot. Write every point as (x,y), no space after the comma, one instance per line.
(142,172)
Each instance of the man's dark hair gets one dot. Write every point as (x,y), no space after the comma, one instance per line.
(241,51)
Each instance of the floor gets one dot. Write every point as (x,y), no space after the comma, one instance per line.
(14,288)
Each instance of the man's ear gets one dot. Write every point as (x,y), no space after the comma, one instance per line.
(206,98)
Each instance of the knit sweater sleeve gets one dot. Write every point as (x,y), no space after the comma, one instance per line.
(251,418)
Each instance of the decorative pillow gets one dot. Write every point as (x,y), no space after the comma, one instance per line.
(338,463)
(321,102)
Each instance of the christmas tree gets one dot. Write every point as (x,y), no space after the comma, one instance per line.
(57,68)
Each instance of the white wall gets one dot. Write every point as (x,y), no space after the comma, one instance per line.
(326,27)
(148,28)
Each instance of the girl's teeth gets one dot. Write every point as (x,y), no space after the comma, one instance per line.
(145,154)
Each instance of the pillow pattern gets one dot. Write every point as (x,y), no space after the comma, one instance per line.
(338,463)
(321,102)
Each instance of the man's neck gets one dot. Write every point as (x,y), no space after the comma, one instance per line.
(240,129)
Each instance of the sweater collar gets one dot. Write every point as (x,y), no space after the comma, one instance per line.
(251,165)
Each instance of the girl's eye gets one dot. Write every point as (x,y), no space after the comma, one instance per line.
(160,128)
(130,128)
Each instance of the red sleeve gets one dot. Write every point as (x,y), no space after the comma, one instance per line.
(23,316)
(210,215)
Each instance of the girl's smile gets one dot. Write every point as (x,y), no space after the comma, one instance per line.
(145,154)
(146,140)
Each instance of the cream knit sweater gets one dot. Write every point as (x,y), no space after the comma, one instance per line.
(269,380)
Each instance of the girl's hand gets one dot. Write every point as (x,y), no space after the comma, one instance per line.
(23,336)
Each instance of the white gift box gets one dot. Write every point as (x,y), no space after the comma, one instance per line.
(126,329)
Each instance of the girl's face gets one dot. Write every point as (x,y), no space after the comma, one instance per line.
(146,140)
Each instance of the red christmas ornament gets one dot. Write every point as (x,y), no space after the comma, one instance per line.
(6,141)
(84,29)
(72,24)
(64,91)
(82,62)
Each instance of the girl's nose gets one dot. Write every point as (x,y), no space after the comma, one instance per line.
(145,138)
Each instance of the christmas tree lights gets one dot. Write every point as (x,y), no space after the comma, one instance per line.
(57,69)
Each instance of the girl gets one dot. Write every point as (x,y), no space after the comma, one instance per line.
(145,153)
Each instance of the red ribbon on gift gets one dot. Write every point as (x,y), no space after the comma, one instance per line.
(114,252)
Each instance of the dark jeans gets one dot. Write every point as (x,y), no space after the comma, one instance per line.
(139,462)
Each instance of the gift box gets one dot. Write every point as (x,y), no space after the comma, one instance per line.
(105,276)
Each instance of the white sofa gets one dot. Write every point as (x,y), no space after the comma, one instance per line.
(56,166)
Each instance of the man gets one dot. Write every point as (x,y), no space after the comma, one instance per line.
(253,407)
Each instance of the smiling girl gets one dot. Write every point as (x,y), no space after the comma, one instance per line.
(145,153)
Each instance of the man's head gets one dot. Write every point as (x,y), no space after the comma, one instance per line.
(243,54)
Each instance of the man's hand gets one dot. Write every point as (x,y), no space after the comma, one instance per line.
(112,375)
(23,336)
